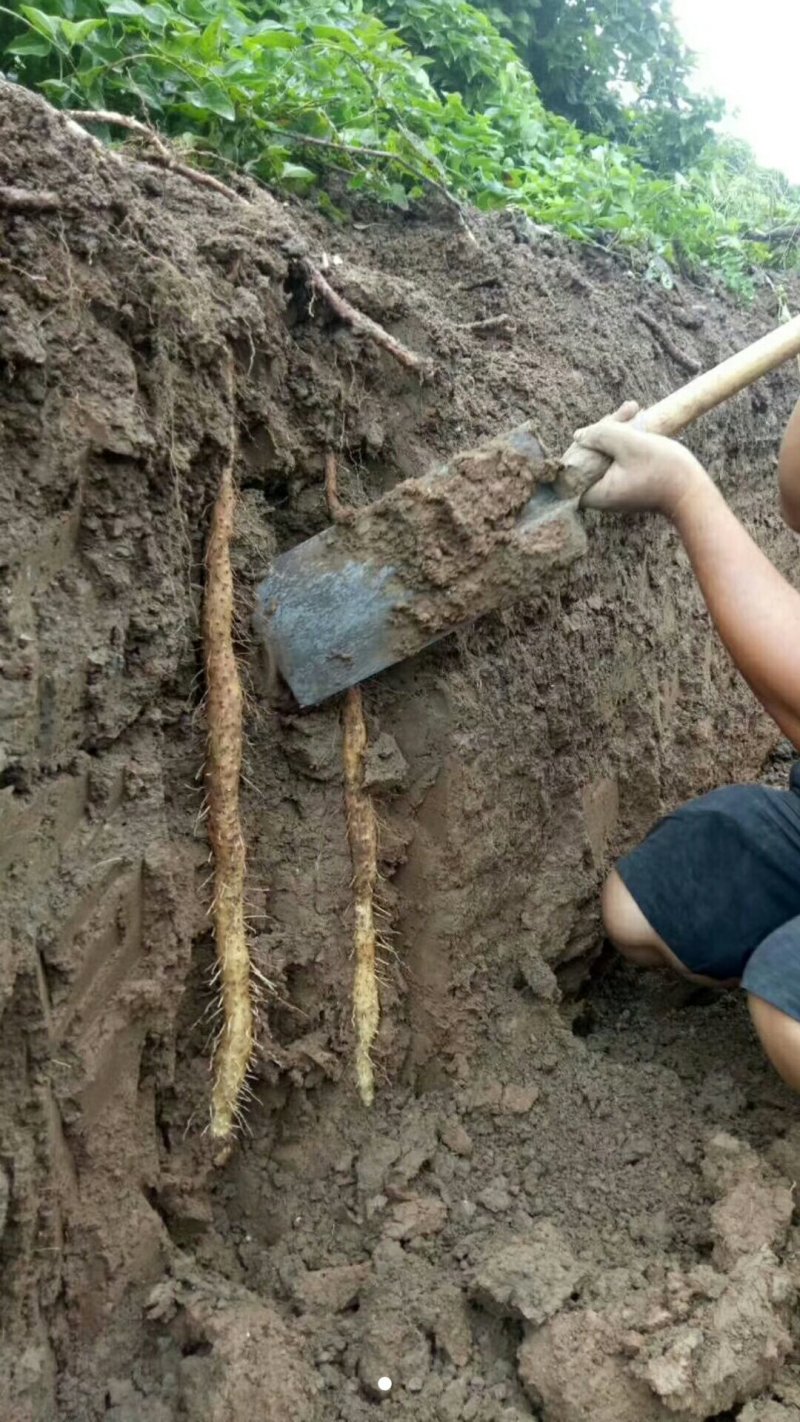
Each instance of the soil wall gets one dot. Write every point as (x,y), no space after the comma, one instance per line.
(510,763)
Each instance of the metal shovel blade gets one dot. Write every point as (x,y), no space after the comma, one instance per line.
(329,621)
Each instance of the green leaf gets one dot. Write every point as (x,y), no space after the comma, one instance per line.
(211,98)
(31,44)
(297,173)
(47,25)
(57,88)
(437,85)
(274,39)
(76,31)
(159,16)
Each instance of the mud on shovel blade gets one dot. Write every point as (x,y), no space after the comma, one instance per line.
(480,533)
(331,614)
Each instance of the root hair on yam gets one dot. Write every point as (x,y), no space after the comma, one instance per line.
(224,710)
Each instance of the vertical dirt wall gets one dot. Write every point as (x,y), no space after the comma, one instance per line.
(510,763)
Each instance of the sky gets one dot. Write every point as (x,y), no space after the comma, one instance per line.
(750,55)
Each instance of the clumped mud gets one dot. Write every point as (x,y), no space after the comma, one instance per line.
(574,1197)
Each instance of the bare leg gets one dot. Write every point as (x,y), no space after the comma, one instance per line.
(635,938)
(780,1038)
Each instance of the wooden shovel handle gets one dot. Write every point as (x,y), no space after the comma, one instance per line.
(580,468)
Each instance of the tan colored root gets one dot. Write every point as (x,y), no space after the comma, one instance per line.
(362,834)
(364,325)
(223,772)
(339,512)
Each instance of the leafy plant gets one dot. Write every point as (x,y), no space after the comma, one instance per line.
(618,68)
(387,98)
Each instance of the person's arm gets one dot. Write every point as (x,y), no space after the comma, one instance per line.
(789,471)
(756,612)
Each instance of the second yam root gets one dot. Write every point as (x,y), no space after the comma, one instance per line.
(223,773)
(362,834)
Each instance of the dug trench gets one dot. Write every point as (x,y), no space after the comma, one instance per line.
(573,1197)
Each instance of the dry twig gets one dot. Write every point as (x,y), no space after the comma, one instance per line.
(503,322)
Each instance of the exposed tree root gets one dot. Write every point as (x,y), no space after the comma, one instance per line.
(687,362)
(363,838)
(223,773)
(364,325)
(160,154)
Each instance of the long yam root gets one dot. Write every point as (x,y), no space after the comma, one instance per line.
(362,834)
(223,771)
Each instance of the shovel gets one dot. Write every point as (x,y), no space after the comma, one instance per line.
(476,534)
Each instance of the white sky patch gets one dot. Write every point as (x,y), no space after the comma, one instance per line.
(749,54)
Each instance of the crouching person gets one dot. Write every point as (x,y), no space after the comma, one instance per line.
(713,892)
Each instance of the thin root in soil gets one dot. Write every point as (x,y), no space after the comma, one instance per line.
(363,325)
(223,773)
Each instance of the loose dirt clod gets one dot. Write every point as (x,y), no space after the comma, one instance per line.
(15,199)
(363,838)
(223,770)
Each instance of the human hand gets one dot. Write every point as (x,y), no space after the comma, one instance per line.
(649,472)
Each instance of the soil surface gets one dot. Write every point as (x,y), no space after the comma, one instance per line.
(573,1199)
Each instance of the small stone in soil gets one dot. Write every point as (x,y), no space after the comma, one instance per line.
(495,1198)
(425,1215)
(456,1139)
(518,1100)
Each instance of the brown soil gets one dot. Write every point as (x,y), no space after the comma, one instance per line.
(572,1199)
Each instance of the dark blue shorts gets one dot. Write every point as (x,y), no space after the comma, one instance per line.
(719,881)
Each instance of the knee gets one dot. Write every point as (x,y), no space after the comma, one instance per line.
(623,920)
(627,927)
(780,1037)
